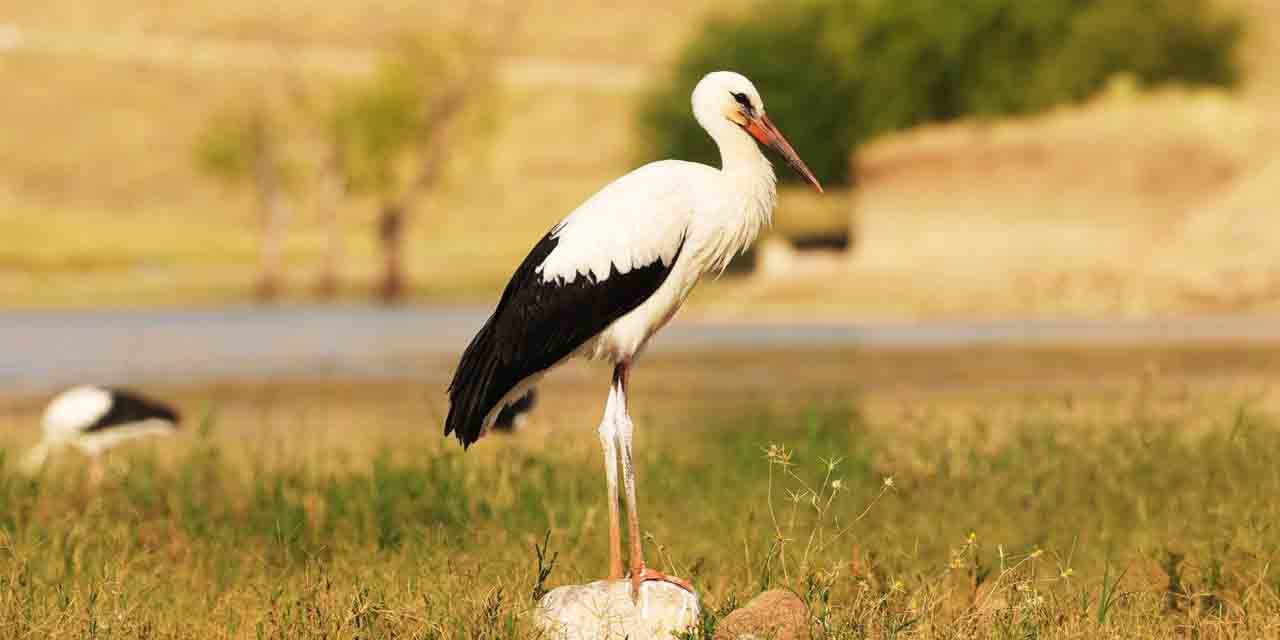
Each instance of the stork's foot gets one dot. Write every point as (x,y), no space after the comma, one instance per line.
(645,574)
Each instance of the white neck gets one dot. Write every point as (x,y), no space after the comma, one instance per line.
(745,166)
(751,184)
(740,156)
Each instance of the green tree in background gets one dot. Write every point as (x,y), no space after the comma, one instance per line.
(389,136)
(838,72)
(1159,41)
(245,144)
(396,132)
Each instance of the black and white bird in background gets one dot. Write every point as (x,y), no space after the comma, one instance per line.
(605,279)
(94,420)
(513,416)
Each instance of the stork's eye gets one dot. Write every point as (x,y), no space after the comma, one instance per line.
(743,100)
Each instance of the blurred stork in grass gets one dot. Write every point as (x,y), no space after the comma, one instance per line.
(605,279)
(515,415)
(94,420)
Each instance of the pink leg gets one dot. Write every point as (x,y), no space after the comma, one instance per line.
(639,572)
(608,441)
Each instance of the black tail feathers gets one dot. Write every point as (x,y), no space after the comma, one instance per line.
(129,407)
(472,394)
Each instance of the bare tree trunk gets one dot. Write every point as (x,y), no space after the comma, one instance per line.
(391,224)
(333,190)
(395,214)
(442,113)
(275,217)
(270,275)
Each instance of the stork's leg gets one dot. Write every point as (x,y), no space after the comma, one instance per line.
(639,572)
(608,440)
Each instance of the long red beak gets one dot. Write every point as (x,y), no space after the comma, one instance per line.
(763,130)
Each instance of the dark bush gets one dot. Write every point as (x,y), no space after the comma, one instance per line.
(803,82)
(837,72)
(1158,41)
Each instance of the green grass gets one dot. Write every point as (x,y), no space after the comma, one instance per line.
(335,512)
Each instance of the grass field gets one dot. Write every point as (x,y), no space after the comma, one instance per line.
(967,494)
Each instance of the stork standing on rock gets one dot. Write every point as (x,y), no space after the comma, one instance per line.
(605,279)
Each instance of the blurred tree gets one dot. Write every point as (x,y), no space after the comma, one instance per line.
(1158,41)
(245,144)
(390,136)
(398,131)
(332,193)
(836,72)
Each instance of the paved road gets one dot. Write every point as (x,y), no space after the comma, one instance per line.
(41,350)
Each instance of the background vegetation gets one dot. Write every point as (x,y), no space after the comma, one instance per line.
(838,73)
(102,205)
(390,138)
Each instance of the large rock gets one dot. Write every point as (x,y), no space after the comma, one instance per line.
(604,610)
(773,615)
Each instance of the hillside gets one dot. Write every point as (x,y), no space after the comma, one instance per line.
(1131,205)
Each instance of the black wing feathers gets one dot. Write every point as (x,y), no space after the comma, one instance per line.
(128,407)
(536,325)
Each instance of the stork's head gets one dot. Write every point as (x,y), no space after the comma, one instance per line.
(727,96)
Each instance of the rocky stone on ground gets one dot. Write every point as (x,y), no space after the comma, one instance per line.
(604,610)
(778,614)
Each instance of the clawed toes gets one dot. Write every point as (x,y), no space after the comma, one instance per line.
(646,574)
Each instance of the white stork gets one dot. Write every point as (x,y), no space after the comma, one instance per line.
(605,279)
(95,419)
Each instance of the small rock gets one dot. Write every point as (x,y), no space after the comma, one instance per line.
(604,610)
(773,615)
